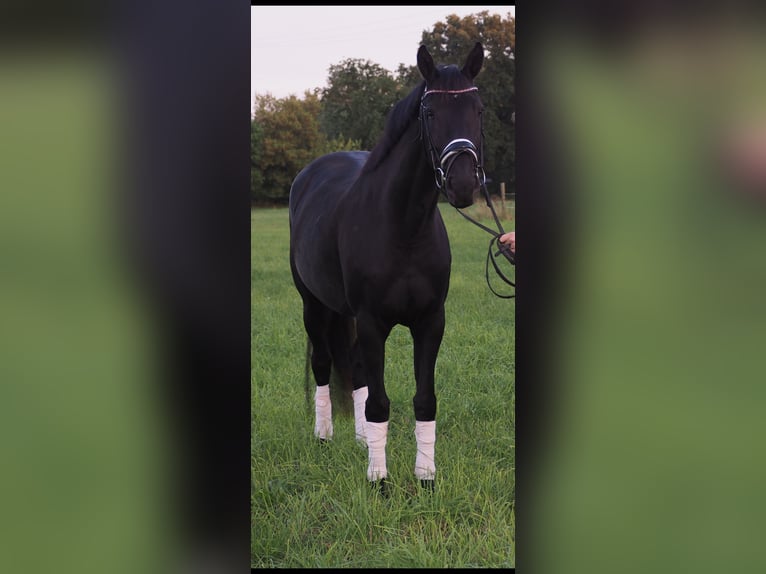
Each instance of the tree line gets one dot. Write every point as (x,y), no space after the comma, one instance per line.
(350,113)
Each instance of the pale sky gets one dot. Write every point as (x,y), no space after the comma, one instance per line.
(292,47)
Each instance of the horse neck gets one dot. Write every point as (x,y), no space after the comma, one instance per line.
(409,193)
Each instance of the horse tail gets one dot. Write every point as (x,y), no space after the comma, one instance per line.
(341,338)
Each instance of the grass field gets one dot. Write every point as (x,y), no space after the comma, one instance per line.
(311,503)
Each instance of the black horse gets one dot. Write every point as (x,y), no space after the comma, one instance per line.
(369,250)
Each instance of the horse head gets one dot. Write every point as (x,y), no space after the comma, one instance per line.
(450,116)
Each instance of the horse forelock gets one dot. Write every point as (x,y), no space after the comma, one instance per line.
(450,78)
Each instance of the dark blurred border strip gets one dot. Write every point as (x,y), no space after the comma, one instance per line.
(184,72)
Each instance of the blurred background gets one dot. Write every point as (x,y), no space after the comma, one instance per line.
(124,297)
(124,291)
(641,322)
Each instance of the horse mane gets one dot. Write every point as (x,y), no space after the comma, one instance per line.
(406,110)
(399,118)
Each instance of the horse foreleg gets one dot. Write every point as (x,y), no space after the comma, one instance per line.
(427,336)
(360,421)
(372,339)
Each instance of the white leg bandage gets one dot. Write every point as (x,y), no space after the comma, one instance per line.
(377,433)
(425,435)
(323,411)
(360,400)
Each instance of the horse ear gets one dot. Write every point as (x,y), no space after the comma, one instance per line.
(426,64)
(474,61)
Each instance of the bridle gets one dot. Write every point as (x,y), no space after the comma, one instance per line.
(441,164)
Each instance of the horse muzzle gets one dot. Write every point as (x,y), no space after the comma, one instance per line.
(459,183)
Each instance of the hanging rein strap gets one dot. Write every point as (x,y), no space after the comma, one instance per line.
(442,163)
(501,247)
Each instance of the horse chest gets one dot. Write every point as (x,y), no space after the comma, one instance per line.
(402,289)
(409,293)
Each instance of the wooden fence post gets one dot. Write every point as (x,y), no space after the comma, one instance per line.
(502,197)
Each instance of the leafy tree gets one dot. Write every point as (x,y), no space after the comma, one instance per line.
(291,138)
(341,144)
(256,146)
(286,134)
(407,77)
(355,104)
(284,137)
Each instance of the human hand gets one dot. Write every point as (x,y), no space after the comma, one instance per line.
(510,240)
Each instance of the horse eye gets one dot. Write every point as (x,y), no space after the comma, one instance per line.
(430,113)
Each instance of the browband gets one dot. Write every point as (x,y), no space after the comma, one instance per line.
(471,89)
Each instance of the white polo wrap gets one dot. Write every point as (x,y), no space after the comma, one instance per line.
(377,434)
(425,436)
(360,400)
(323,412)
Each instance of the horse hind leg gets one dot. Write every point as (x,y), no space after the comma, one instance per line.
(333,338)
(340,338)
(359,395)
(323,428)
(344,347)
(347,363)
(316,318)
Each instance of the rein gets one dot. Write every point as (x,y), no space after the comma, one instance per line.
(441,164)
(501,247)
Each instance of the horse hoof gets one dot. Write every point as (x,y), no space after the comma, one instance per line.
(382,487)
(427,485)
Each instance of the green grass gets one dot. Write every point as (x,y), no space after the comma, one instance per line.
(311,504)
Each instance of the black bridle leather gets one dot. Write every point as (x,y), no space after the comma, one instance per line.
(441,164)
